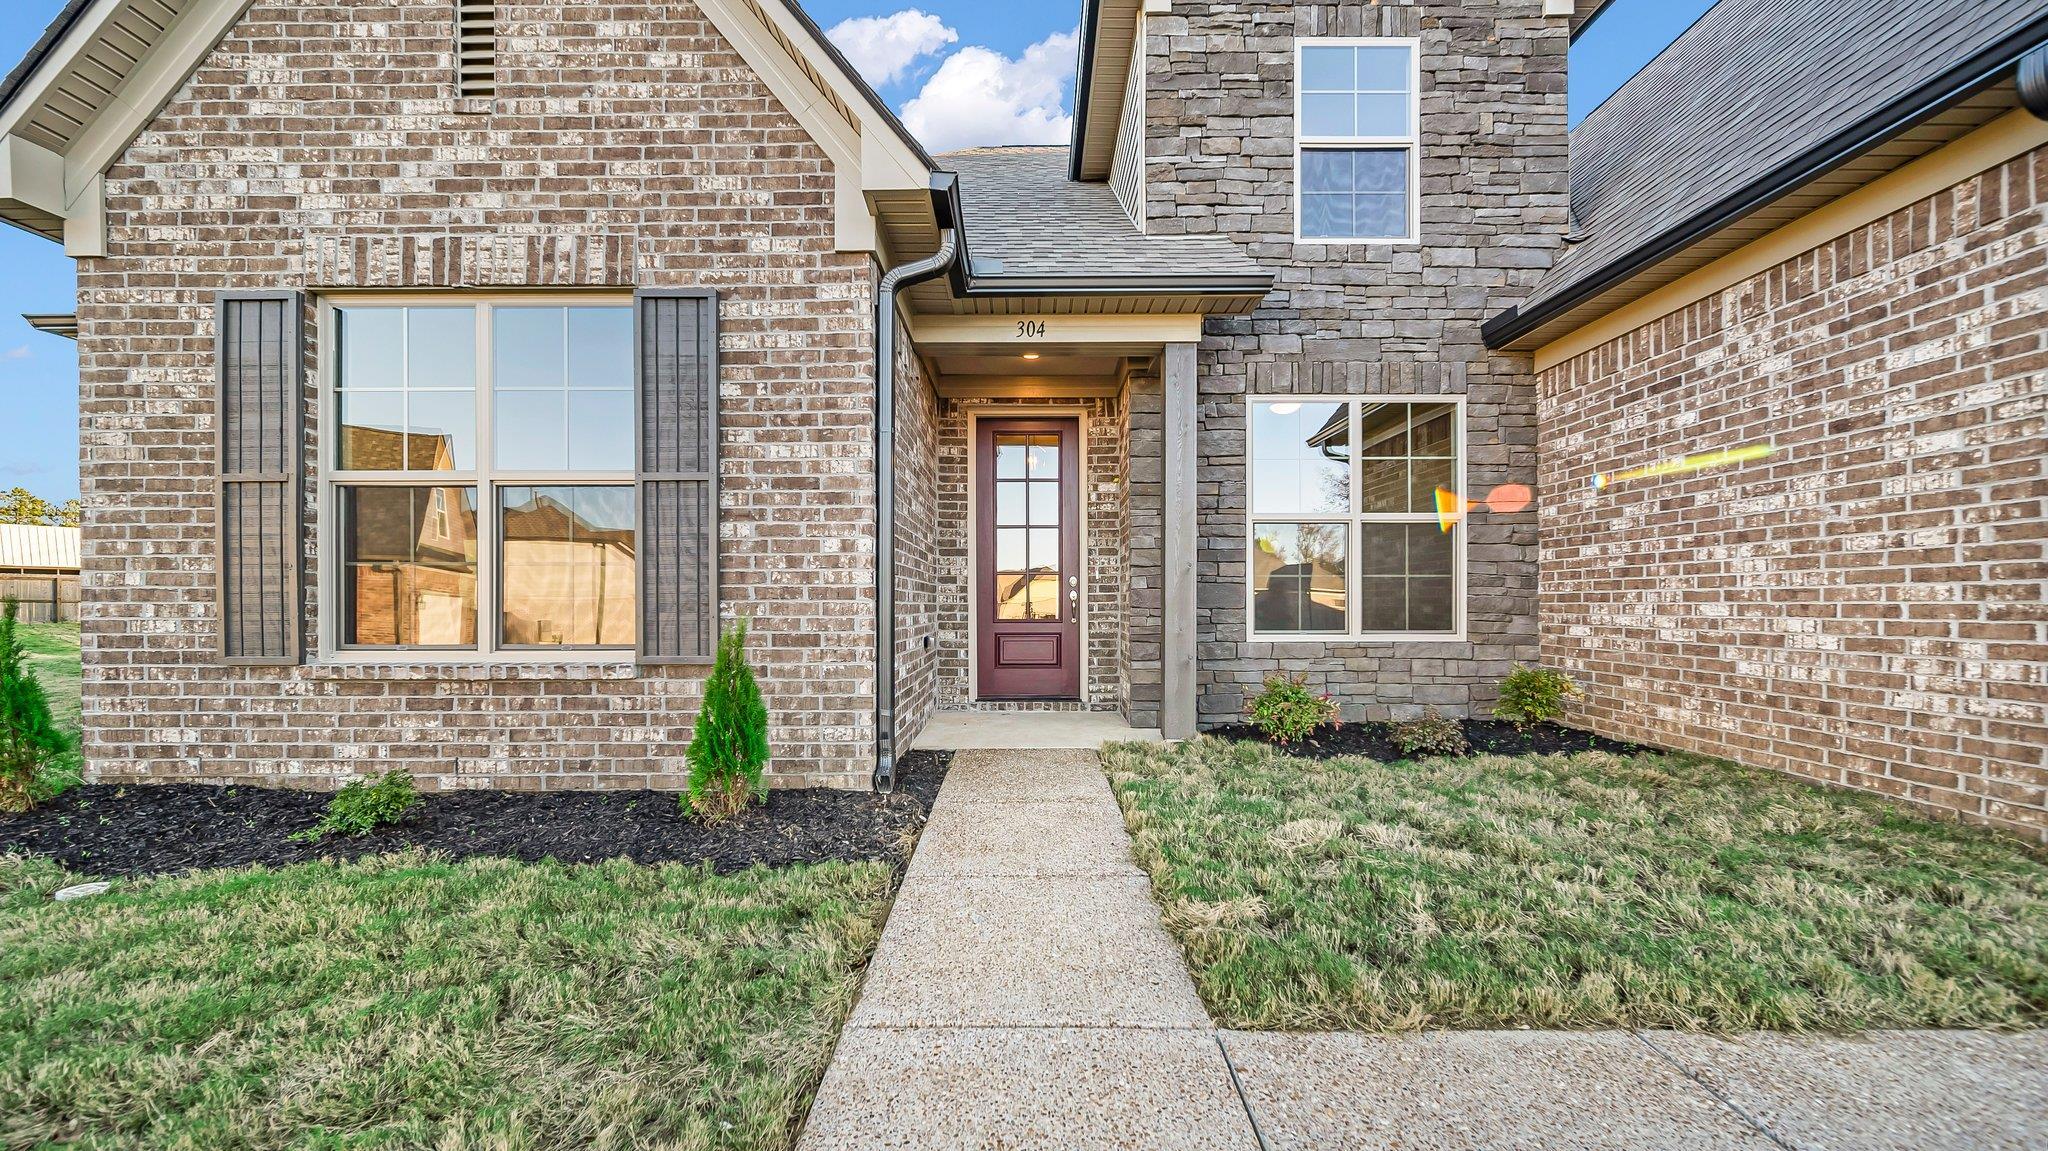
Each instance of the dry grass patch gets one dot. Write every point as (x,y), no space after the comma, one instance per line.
(1582,890)
(409,1002)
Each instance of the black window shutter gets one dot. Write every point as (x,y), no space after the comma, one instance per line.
(260,417)
(676,474)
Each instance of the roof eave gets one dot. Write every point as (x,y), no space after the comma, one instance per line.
(1522,329)
(1084,83)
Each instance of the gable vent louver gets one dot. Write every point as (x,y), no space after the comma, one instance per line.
(476,47)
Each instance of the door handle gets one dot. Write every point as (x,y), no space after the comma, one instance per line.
(1073,606)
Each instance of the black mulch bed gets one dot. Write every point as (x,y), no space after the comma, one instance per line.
(154,829)
(1494,736)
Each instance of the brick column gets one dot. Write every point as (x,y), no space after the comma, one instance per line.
(1177,710)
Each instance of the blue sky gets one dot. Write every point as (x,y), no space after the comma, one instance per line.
(960,71)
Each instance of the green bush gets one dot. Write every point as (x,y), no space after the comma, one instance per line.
(730,748)
(1533,695)
(362,807)
(1431,734)
(1288,712)
(31,743)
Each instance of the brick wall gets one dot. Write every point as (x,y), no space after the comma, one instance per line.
(1865,606)
(918,564)
(1365,319)
(321,146)
(1101,547)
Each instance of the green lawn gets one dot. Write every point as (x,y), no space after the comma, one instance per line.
(1585,890)
(53,659)
(409,1002)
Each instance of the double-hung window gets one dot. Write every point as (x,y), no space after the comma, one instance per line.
(1356,127)
(1346,537)
(478,494)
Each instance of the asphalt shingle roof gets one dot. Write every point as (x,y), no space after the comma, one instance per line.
(1750,87)
(1022,210)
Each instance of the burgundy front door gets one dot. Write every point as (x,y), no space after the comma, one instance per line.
(1027,567)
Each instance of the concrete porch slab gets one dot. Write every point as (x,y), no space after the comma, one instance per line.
(1072,776)
(1890,1089)
(1027,952)
(1020,730)
(1589,1091)
(1024,839)
(1028,1089)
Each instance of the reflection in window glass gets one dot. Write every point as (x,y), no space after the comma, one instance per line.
(1357,130)
(560,556)
(1300,456)
(1027,527)
(568,570)
(563,388)
(1403,578)
(1298,578)
(407,389)
(408,570)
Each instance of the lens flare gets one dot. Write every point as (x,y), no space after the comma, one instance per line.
(1718,459)
(1509,498)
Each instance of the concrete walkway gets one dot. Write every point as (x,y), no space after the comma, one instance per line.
(1025,995)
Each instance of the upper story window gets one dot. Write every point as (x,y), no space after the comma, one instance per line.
(1346,538)
(1356,127)
(477,489)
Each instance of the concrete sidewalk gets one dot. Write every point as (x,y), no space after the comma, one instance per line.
(1025,995)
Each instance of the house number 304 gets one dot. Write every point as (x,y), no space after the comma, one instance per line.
(1030,329)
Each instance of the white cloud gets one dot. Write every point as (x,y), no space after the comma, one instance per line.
(882,48)
(20,353)
(982,97)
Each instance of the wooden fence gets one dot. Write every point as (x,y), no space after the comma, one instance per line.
(43,598)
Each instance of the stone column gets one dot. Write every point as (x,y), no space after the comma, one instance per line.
(1177,709)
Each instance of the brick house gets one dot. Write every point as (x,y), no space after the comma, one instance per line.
(451,370)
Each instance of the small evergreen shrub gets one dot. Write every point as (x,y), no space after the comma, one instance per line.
(1431,733)
(361,807)
(31,743)
(730,748)
(1288,712)
(1533,695)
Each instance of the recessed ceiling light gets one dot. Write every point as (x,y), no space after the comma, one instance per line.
(1031,355)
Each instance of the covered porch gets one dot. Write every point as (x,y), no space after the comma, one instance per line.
(1044,463)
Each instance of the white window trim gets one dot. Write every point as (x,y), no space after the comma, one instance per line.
(1412,141)
(484,480)
(1352,517)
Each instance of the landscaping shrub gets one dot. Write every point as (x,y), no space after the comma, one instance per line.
(730,747)
(361,807)
(1532,695)
(31,743)
(1431,733)
(1287,711)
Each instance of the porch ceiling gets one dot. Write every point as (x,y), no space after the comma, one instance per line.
(1046,356)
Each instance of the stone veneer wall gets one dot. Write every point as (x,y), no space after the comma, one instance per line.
(321,146)
(1365,319)
(1101,547)
(1864,607)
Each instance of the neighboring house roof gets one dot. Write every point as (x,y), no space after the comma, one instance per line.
(1030,226)
(40,548)
(55,323)
(1757,99)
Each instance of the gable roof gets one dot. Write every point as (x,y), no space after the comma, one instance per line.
(103,69)
(1029,224)
(1703,149)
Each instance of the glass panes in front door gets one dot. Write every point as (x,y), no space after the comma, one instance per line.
(1029,577)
